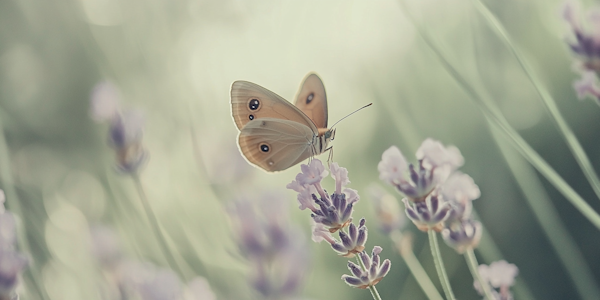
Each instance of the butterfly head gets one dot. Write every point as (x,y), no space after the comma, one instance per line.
(330,134)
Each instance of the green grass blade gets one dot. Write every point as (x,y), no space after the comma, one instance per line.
(484,101)
(547,216)
(569,136)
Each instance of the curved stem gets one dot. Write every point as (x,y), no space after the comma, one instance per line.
(565,130)
(14,203)
(472,263)
(162,242)
(415,266)
(439,264)
(484,101)
(372,288)
(548,217)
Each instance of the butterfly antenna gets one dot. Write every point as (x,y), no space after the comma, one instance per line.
(351,114)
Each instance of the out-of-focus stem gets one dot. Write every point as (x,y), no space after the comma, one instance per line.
(372,288)
(153,220)
(439,264)
(472,263)
(414,265)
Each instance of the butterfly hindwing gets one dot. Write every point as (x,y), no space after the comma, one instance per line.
(251,101)
(312,100)
(275,144)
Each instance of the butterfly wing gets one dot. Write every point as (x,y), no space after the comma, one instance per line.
(251,101)
(275,144)
(312,100)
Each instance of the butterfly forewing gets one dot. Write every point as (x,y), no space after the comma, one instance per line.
(275,144)
(251,101)
(312,100)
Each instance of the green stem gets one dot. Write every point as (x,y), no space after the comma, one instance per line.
(439,264)
(489,252)
(154,224)
(549,219)
(14,204)
(414,266)
(569,136)
(472,263)
(492,113)
(372,288)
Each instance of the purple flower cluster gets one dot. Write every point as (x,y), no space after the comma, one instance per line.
(125,127)
(373,273)
(333,213)
(275,250)
(437,196)
(12,263)
(131,279)
(586,46)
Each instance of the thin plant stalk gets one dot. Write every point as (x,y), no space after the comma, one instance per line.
(372,288)
(153,220)
(549,219)
(473,264)
(568,135)
(439,264)
(491,112)
(415,267)
(14,204)
(490,252)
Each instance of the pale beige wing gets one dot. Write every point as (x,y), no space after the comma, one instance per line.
(312,100)
(251,101)
(275,144)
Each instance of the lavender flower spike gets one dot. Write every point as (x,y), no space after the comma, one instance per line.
(416,182)
(428,214)
(463,236)
(459,190)
(586,44)
(353,242)
(333,211)
(373,274)
(125,136)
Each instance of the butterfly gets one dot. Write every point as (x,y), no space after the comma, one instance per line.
(275,134)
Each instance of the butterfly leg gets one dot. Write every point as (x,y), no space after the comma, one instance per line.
(330,156)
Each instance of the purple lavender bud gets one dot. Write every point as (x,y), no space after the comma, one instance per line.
(362,235)
(346,240)
(12,265)
(366,260)
(372,274)
(354,269)
(338,247)
(125,136)
(436,163)
(385,268)
(353,242)
(463,236)
(352,231)
(352,281)
(429,214)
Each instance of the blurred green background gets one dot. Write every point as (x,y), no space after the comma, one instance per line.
(176,60)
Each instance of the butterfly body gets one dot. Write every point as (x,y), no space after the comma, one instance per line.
(275,134)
